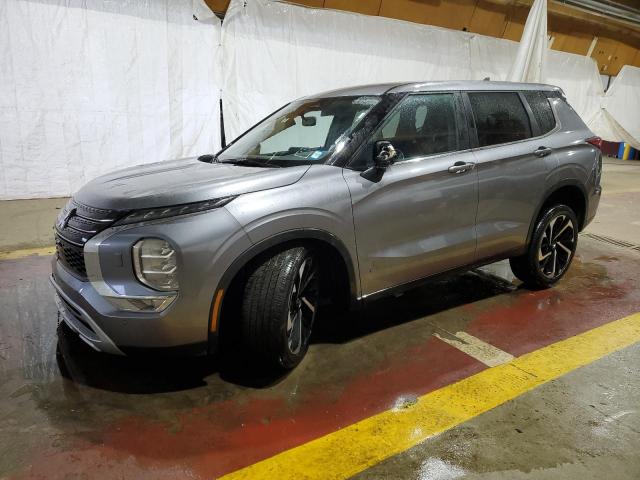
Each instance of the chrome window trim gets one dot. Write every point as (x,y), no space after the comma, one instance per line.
(429,157)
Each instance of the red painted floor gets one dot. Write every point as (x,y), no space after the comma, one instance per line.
(77,411)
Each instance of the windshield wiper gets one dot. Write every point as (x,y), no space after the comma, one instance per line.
(249,162)
(294,151)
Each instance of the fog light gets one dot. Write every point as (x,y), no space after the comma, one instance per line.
(142,304)
(154,262)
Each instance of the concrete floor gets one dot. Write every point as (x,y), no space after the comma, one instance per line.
(585,425)
(619,211)
(28,223)
(68,412)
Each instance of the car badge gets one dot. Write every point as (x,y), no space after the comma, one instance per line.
(64,221)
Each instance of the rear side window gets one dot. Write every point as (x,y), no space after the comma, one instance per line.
(500,117)
(542,112)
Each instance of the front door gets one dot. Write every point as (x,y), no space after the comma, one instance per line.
(419,218)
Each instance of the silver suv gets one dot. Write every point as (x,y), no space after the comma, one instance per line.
(338,199)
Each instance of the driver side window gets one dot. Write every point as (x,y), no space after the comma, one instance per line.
(421,125)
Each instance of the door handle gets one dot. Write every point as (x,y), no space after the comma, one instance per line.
(542,151)
(461,167)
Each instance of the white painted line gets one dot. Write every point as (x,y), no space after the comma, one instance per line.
(476,348)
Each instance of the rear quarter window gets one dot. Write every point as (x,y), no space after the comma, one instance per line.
(500,117)
(542,111)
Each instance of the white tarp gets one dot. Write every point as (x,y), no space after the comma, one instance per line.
(90,86)
(491,57)
(276,52)
(578,76)
(530,62)
(618,119)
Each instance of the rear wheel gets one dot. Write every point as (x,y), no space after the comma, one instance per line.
(551,250)
(279,306)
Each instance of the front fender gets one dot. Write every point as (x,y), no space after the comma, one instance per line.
(318,207)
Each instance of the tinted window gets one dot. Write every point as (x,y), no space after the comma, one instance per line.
(422,125)
(500,117)
(541,111)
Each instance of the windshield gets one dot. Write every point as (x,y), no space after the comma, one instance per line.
(303,132)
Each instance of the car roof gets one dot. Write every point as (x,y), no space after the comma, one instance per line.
(435,86)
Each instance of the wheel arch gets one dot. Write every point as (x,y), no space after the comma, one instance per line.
(330,244)
(569,192)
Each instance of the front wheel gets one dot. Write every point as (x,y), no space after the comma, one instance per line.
(279,306)
(551,250)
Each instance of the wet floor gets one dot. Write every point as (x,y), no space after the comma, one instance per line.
(585,425)
(69,412)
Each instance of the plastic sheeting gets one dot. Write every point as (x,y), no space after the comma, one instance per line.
(617,118)
(530,62)
(578,76)
(276,52)
(90,86)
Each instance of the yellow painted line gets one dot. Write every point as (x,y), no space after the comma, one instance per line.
(344,453)
(474,347)
(27,252)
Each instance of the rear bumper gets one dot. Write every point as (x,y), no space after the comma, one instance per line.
(592,207)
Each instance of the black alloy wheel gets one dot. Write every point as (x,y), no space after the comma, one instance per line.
(551,249)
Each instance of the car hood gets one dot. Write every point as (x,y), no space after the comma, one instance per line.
(181,181)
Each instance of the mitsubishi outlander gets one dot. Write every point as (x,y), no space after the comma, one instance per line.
(337,198)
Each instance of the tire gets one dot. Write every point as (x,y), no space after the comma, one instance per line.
(278,307)
(546,262)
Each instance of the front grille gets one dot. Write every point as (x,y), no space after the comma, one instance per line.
(76,225)
(71,256)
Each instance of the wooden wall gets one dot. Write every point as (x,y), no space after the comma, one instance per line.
(572,30)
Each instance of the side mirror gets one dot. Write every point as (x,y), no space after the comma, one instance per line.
(384,154)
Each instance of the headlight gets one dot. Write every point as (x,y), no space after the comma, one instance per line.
(154,262)
(149,214)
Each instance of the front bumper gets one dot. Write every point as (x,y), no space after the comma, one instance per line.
(205,244)
(81,322)
(107,329)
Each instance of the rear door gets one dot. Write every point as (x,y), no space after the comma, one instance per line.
(513,161)
(419,218)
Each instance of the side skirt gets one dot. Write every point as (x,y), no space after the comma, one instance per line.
(398,289)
